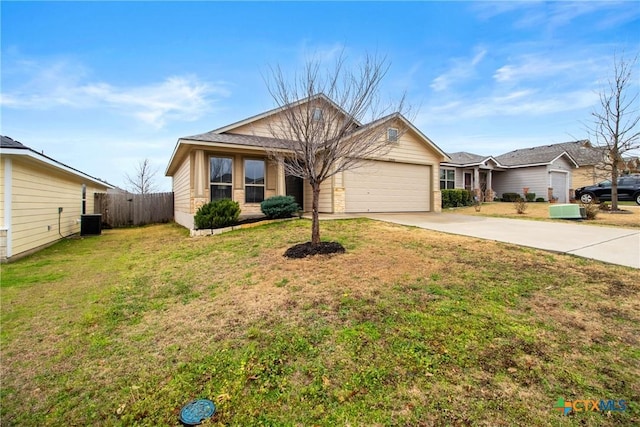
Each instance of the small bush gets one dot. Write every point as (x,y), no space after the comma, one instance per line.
(510,197)
(456,198)
(217,214)
(539,199)
(521,205)
(530,197)
(591,210)
(279,207)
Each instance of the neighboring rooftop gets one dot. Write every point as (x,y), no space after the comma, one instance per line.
(547,153)
(582,152)
(464,158)
(9,143)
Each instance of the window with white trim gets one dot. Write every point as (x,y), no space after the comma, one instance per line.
(221,178)
(317,114)
(447,179)
(392,135)
(84,199)
(254,181)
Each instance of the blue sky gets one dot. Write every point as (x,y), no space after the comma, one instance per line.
(102,85)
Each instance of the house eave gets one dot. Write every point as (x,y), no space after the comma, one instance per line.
(41,158)
(185,145)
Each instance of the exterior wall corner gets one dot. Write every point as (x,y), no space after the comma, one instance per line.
(436,206)
(339,200)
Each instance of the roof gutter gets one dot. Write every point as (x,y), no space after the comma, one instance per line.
(28,152)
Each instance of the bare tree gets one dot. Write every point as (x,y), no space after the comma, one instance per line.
(614,122)
(320,131)
(144,180)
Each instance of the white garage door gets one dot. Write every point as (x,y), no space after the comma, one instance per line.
(388,187)
(559,185)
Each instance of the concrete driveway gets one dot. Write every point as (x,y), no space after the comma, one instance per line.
(609,244)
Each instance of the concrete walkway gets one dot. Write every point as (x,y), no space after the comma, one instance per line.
(614,245)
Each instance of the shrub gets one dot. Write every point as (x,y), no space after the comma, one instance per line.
(539,199)
(530,197)
(456,198)
(217,214)
(590,210)
(510,197)
(521,205)
(279,207)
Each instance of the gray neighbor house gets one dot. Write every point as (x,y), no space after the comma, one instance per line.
(549,171)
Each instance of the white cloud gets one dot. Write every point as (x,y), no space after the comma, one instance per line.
(66,84)
(522,103)
(322,53)
(550,16)
(541,66)
(462,69)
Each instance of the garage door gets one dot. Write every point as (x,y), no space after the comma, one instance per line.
(559,185)
(388,187)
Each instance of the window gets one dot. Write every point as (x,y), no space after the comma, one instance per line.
(317,114)
(447,179)
(392,135)
(253,181)
(84,199)
(220,178)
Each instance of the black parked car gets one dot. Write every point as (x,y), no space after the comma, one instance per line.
(628,189)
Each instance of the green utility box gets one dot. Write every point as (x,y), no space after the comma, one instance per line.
(567,211)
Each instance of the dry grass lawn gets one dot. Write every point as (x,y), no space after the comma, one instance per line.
(540,211)
(409,327)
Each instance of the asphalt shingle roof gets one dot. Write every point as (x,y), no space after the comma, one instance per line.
(237,139)
(580,151)
(464,158)
(8,142)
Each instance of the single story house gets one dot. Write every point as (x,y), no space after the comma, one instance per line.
(543,171)
(232,162)
(548,171)
(41,199)
(471,172)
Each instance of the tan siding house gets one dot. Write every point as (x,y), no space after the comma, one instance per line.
(232,162)
(42,200)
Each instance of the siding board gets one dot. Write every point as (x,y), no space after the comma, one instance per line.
(37,193)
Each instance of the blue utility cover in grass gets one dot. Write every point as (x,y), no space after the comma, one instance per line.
(194,412)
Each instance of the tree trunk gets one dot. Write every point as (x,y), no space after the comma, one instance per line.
(315,219)
(614,188)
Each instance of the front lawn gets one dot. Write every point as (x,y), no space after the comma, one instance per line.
(540,211)
(409,327)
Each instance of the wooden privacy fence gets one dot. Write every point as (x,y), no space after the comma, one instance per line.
(126,209)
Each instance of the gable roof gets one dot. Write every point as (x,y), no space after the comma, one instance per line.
(463,158)
(541,155)
(581,153)
(222,136)
(319,96)
(408,124)
(11,146)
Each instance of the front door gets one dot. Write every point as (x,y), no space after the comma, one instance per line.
(467,181)
(295,187)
